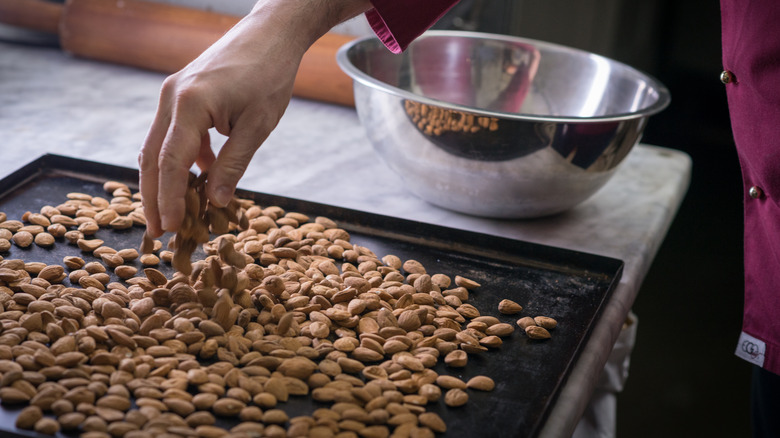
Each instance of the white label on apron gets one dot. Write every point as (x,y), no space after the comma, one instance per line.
(751,349)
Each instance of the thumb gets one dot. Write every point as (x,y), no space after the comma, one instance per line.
(230,165)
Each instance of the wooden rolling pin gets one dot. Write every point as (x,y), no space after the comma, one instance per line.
(164,38)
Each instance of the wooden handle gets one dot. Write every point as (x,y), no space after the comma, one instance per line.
(36,15)
(166,38)
(320,77)
(149,35)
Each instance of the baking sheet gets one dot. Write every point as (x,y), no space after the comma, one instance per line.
(570,286)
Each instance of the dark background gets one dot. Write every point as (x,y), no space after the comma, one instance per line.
(684,379)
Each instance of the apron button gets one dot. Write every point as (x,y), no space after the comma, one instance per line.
(755,192)
(727,77)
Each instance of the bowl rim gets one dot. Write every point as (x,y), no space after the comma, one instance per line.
(342,59)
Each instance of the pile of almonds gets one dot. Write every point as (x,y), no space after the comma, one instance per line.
(281,306)
(433,120)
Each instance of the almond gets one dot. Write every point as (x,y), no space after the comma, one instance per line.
(125,271)
(546,322)
(509,307)
(481,383)
(455,397)
(23,239)
(465,282)
(536,332)
(89,245)
(28,417)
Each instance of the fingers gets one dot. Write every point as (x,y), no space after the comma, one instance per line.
(231,164)
(206,156)
(179,151)
(148,180)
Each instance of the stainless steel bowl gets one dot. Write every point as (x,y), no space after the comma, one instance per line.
(499,126)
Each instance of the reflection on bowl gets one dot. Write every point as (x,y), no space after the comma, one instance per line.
(499,126)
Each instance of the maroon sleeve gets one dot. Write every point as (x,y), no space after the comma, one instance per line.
(398,22)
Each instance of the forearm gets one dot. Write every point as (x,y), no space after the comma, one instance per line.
(307,19)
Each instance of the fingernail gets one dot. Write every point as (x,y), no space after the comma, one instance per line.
(223,195)
(165,223)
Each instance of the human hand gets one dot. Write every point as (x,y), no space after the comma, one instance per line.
(240,86)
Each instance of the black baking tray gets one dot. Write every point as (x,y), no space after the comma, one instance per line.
(572,287)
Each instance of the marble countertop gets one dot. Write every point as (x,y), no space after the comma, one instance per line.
(53,103)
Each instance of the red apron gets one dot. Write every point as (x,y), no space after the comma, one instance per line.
(751,63)
(398,22)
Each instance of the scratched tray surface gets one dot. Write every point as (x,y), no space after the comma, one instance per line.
(571,287)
